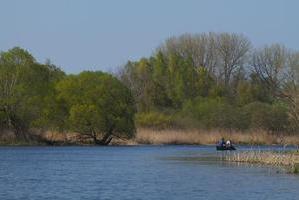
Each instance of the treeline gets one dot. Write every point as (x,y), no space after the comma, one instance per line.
(216,81)
(36,97)
(205,81)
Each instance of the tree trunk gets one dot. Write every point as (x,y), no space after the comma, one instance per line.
(19,130)
(105,140)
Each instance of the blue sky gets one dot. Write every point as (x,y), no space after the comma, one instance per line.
(103,34)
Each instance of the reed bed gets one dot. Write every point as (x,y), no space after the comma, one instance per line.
(167,136)
(152,136)
(285,159)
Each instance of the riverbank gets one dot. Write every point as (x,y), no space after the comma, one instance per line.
(159,137)
(203,137)
(288,160)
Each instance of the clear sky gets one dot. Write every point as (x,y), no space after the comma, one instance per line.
(103,34)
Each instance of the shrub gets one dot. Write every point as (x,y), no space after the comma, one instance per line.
(266,116)
(154,120)
(215,113)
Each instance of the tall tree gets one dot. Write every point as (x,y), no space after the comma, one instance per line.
(277,67)
(232,50)
(24,84)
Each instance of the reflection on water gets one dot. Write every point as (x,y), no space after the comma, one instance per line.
(145,172)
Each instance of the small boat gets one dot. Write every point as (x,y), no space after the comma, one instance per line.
(225,148)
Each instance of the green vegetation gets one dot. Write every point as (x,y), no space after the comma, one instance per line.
(154,120)
(38,96)
(200,82)
(95,104)
(216,81)
(24,88)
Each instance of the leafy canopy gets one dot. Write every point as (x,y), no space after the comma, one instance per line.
(98,105)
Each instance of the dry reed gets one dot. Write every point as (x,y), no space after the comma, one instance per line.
(151,136)
(170,136)
(286,159)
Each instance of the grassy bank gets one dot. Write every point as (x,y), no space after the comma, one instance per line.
(151,136)
(157,137)
(289,160)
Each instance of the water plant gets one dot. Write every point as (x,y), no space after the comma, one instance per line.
(288,160)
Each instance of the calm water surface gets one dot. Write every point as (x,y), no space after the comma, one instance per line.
(145,172)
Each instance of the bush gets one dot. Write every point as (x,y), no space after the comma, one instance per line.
(266,116)
(215,113)
(154,120)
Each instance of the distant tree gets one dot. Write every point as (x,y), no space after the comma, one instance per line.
(175,87)
(160,81)
(277,68)
(204,83)
(232,50)
(216,66)
(138,77)
(270,64)
(200,48)
(291,89)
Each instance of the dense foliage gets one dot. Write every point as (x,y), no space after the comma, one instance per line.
(41,96)
(97,104)
(216,81)
(206,81)
(24,88)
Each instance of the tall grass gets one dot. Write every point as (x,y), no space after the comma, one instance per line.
(167,136)
(286,159)
(152,136)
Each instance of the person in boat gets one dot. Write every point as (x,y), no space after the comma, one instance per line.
(228,143)
(221,142)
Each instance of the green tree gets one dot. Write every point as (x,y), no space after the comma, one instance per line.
(204,83)
(160,83)
(24,85)
(98,105)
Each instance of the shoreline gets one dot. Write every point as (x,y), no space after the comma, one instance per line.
(211,137)
(149,136)
(287,159)
(137,144)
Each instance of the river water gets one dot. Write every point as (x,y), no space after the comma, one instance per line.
(138,172)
